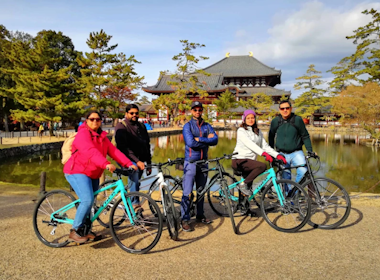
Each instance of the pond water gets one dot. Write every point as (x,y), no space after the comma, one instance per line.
(356,167)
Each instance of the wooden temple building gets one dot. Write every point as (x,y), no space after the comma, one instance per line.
(243,75)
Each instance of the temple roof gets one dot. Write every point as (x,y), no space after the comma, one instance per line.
(271,91)
(210,83)
(242,66)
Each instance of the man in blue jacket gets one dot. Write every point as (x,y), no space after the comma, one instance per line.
(198,136)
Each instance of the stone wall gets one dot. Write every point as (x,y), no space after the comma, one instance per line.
(30,149)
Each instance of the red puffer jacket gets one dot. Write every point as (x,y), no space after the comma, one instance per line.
(89,152)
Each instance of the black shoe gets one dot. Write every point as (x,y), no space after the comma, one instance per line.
(186,226)
(203,220)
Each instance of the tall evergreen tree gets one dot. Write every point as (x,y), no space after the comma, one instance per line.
(313,98)
(96,67)
(44,92)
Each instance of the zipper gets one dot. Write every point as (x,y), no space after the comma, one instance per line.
(200,135)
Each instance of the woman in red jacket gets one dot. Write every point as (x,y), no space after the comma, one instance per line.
(85,166)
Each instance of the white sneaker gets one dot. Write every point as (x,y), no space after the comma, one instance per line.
(244,189)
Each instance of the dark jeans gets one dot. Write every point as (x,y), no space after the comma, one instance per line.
(250,169)
(192,173)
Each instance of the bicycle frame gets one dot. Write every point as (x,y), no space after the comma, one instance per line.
(161,183)
(120,189)
(271,176)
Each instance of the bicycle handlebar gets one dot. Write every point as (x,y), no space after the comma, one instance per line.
(202,161)
(169,163)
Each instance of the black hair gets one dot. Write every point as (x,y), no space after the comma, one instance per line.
(285,101)
(254,126)
(131,106)
(99,131)
(93,112)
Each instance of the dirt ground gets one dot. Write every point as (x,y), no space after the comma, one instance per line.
(210,252)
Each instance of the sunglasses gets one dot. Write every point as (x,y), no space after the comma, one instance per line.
(198,110)
(95,119)
(134,113)
(284,108)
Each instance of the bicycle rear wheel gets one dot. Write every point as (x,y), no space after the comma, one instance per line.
(333,206)
(141,233)
(171,214)
(49,231)
(295,211)
(216,197)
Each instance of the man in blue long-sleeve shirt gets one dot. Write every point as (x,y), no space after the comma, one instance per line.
(198,136)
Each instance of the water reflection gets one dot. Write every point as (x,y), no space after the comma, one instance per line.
(356,167)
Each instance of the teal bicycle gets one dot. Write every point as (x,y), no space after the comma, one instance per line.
(282,210)
(135,230)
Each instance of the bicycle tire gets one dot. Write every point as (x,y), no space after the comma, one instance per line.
(51,233)
(331,194)
(228,205)
(130,236)
(170,214)
(216,198)
(295,211)
(170,181)
(104,217)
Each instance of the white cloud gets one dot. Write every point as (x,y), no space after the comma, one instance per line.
(314,31)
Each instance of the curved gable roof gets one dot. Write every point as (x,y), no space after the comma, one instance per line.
(242,66)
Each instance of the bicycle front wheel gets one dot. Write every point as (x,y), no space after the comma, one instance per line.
(216,197)
(229,206)
(171,214)
(173,186)
(287,207)
(49,231)
(136,231)
(330,203)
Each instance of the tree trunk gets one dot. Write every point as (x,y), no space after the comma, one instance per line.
(312,120)
(51,132)
(6,125)
(22,125)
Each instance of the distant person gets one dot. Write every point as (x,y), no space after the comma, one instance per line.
(198,136)
(84,168)
(132,139)
(287,134)
(80,123)
(41,130)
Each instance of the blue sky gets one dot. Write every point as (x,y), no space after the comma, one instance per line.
(288,35)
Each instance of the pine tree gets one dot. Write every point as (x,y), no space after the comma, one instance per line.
(186,81)
(224,104)
(261,103)
(44,92)
(313,98)
(96,67)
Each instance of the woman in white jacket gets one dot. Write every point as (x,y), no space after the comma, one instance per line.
(250,143)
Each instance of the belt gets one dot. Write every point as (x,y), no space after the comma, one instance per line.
(283,152)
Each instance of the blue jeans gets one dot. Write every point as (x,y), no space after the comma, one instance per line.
(192,172)
(84,187)
(294,159)
(134,184)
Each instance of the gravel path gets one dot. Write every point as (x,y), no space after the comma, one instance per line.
(211,251)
